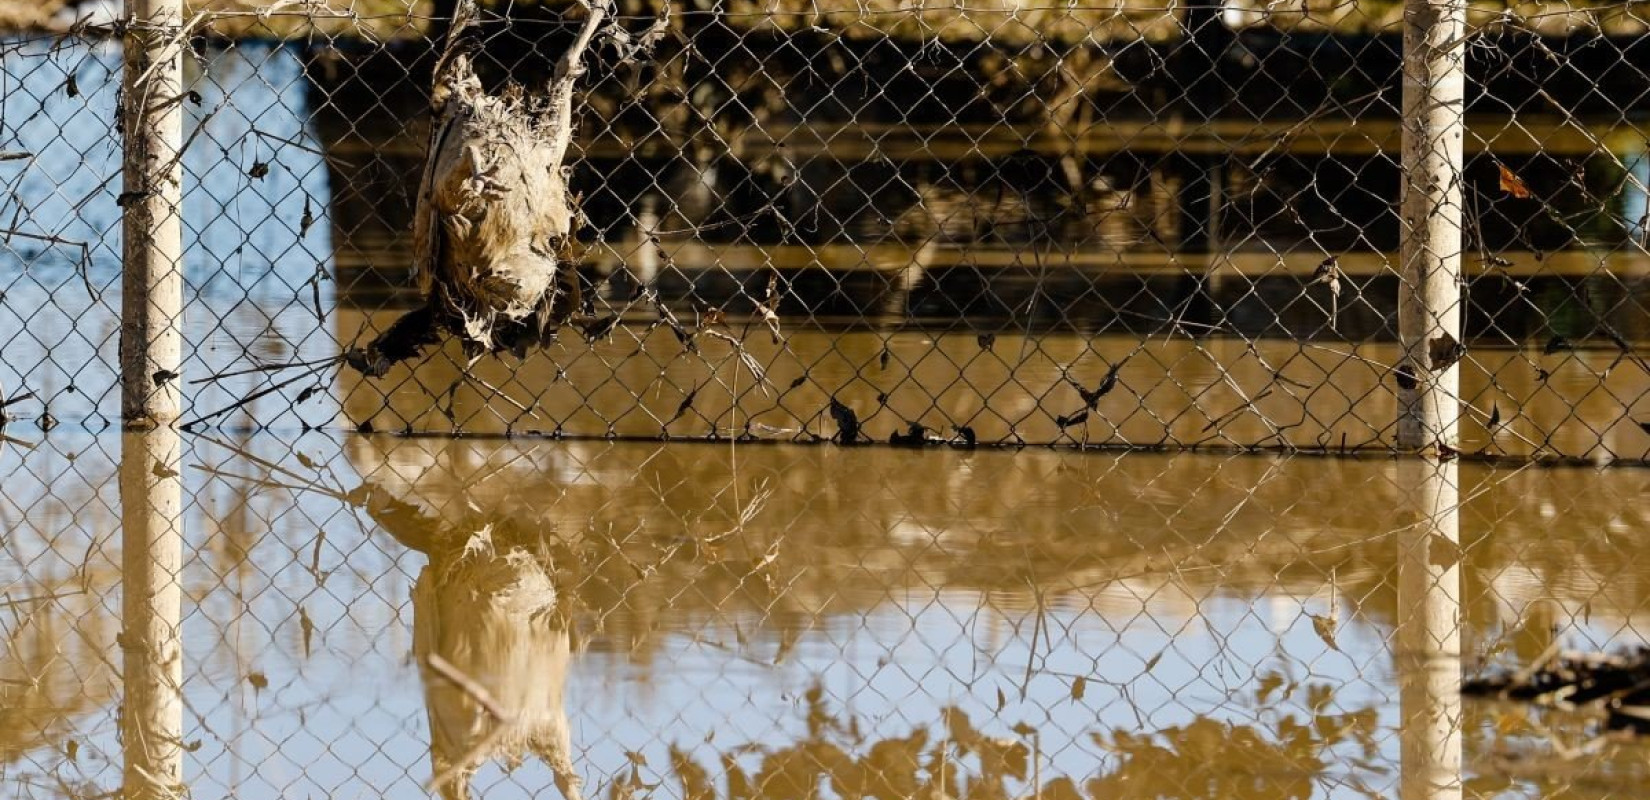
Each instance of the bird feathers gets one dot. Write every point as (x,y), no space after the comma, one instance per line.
(494,223)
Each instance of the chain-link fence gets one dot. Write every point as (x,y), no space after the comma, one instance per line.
(370,615)
(1146,225)
(1174,227)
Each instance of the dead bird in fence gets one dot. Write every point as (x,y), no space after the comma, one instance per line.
(493,231)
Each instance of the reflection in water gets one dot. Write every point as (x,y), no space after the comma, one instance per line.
(53,670)
(1282,754)
(487,604)
(882,620)
(1227,392)
(1428,644)
(151,639)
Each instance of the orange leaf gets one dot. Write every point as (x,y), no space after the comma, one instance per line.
(1512,184)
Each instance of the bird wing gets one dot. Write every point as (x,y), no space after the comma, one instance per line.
(452,75)
(427,234)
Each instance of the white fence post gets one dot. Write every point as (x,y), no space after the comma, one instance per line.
(151,117)
(1431,218)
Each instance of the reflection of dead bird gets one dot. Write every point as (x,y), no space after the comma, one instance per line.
(493,230)
(487,604)
(494,616)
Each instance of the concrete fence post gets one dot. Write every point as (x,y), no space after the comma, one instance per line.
(151,198)
(1431,223)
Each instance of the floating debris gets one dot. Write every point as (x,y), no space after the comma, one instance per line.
(847,423)
(1617,683)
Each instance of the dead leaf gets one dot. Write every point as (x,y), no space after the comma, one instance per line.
(601,328)
(1325,628)
(1442,552)
(687,403)
(307,625)
(1443,351)
(1512,184)
(1002,700)
(1079,687)
(258,680)
(1269,683)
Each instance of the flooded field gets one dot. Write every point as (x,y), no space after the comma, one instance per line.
(778,621)
(501,575)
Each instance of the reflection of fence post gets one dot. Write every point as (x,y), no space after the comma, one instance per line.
(1428,650)
(1429,295)
(151,513)
(151,116)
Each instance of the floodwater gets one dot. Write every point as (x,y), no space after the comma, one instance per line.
(753,620)
(305,612)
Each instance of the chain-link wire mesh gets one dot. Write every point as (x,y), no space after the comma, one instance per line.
(1141,225)
(358,616)
(1163,226)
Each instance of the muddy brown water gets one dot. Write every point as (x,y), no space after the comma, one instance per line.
(1171,392)
(755,620)
(765,618)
